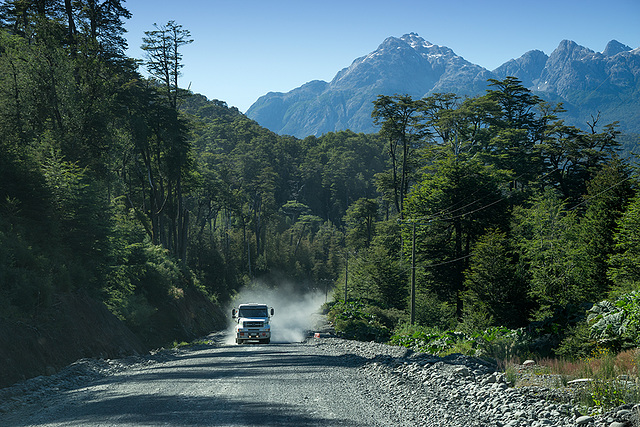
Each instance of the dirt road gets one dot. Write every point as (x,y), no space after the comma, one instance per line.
(223,385)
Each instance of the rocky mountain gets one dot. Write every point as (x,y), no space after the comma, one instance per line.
(587,82)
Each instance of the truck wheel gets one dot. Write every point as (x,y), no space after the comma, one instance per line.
(239,341)
(266,340)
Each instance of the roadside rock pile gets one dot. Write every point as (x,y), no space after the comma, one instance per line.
(76,375)
(463,391)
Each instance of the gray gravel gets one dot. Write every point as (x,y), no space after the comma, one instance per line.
(323,381)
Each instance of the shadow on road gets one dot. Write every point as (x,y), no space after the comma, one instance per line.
(117,400)
(177,410)
(247,360)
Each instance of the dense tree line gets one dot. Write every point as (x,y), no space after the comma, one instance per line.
(137,191)
(508,216)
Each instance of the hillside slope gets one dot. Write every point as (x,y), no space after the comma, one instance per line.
(77,326)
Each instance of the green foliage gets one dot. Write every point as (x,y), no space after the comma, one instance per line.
(607,394)
(550,331)
(449,223)
(427,340)
(336,169)
(475,319)
(546,235)
(611,382)
(358,321)
(147,281)
(26,282)
(28,272)
(494,289)
(138,192)
(431,311)
(361,218)
(609,193)
(164,59)
(625,262)
(399,118)
(577,344)
(500,343)
(497,343)
(380,277)
(616,325)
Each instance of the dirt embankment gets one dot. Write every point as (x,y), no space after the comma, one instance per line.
(77,326)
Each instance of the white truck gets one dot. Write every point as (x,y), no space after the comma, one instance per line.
(252,323)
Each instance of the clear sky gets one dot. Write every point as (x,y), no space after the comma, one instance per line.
(243,49)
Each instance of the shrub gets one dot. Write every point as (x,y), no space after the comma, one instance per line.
(577,344)
(497,343)
(357,321)
(427,340)
(500,343)
(389,317)
(616,325)
(431,311)
(547,334)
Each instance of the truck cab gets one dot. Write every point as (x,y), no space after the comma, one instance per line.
(252,323)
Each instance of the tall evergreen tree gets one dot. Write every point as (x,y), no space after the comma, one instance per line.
(455,203)
(493,283)
(624,264)
(608,195)
(164,59)
(546,236)
(401,123)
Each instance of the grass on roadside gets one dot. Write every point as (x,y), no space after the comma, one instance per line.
(183,344)
(610,379)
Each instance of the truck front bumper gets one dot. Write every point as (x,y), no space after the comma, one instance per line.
(248,334)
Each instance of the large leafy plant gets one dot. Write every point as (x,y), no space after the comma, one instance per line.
(615,324)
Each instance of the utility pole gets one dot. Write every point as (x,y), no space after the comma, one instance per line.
(413,265)
(413,275)
(346,276)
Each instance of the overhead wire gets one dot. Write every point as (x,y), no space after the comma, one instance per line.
(611,187)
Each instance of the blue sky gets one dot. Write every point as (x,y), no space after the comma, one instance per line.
(244,49)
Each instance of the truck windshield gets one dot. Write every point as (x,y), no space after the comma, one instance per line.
(252,312)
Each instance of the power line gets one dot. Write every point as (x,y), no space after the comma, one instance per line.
(451,261)
(611,187)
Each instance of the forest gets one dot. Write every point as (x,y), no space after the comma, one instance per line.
(459,214)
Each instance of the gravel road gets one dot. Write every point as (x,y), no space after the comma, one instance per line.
(321,382)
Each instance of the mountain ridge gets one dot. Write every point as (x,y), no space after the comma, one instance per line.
(585,81)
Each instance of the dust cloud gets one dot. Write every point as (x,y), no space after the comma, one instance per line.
(294,313)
